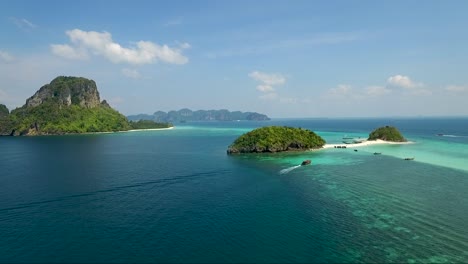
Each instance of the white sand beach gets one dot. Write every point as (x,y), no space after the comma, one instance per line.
(149,129)
(365,143)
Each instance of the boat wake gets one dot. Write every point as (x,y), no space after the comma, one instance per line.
(454,136)
(284,171)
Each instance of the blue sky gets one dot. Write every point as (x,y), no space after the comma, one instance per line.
(281,58)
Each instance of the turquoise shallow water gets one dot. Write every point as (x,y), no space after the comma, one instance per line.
(175,196)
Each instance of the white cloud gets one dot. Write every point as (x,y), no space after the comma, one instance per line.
(246,47)
(411,87)
(28,23)
(341,90)
(268,96)
(267,81)
(185,45)
(174,22)
(6,57)
(23,23)
(377,90)
(131,73)
(288,100)
(144,52)
(265,88)
(403,82)
(69,52)
(456,88)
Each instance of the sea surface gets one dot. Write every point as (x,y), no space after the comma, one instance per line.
(175,196)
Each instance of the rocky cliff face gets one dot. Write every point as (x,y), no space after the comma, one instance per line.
(67,91)
(5,122)
(4,112)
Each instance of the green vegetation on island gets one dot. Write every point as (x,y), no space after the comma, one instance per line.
(50,118)
(148,124)
(67,105)
(387,133)
(276,139)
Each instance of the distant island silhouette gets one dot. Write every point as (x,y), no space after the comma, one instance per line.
(185,115)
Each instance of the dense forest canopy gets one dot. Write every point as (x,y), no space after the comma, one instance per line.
(276,139)
(387,133)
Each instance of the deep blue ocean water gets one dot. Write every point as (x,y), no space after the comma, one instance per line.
(175,196)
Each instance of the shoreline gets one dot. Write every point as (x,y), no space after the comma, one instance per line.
(366,143)
(148,129)
(126,131)
(91,133)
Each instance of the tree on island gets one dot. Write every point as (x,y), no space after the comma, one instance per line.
(276,139)
(148,124)
(387,133)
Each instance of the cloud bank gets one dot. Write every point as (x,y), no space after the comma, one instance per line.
(84,43)
(409,87)
(456,88)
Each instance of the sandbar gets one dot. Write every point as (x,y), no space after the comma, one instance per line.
(366,143)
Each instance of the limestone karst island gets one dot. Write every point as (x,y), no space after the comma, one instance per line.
(67,105)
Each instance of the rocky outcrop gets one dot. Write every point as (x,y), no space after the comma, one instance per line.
(5,122)
(4,112)
(67,91)
(104,103)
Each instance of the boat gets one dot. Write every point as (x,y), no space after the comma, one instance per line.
(440,135)
(377,153)
(349,140)
(355,150)
(305,162)
(409,158)
(357,141)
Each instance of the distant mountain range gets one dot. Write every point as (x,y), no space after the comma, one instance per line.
(185,115)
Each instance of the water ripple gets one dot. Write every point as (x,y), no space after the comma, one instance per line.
(159,182)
